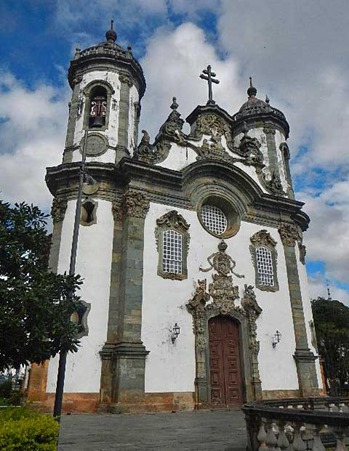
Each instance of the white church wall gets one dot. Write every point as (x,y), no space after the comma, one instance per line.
(172,367)
(94,265)
(179,157)
(280,138)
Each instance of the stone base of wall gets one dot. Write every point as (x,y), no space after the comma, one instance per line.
(90,402)
(154,402)
(284,394)
(72,402)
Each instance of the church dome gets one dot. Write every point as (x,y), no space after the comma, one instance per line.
(256,108)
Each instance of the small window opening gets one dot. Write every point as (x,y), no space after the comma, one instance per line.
(265,266)
(88,213)
(98,108)
(172,252)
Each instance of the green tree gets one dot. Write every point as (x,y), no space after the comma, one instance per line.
(331,319)
(35,304)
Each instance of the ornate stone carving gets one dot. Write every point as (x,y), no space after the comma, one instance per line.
(125,79)
(223,304)
(289,234)
(271,181)
(221,262)
(262,238)
(173,220)
(249,148)
(136,204)
(97,144)
(208,123)
(116,209)
(58,209)
(253,310)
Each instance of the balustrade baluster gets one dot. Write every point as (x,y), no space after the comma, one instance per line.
(340,437)
(317,443)
(298,443)
(271,440)
(282,442)
(261,437)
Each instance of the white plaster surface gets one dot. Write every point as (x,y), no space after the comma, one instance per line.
(94,265)
(172,367)
(179,157)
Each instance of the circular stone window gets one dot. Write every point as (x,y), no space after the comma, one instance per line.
(218,217)
(214,219)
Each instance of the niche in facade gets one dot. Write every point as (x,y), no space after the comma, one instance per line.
(88,213)
(98,107)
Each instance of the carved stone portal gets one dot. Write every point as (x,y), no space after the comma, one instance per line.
(219,300)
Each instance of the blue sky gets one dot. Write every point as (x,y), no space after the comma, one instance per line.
(296,52)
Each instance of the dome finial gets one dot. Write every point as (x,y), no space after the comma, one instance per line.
(111,34)
(252,91)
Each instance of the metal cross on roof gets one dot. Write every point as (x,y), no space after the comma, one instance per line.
(209,77)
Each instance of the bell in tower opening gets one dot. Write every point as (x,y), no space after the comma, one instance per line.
(98,107)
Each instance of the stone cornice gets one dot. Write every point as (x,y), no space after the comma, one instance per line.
(162,183)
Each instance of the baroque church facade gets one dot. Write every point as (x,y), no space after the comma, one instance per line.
(195,290)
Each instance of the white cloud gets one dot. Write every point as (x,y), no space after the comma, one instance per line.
(32,129)
(172,65)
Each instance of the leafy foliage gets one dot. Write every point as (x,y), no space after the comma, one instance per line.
(35,304)
(331,320)
(22,429)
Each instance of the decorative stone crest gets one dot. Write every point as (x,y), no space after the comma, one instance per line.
(271,181)
(136,204)
(289,234)
(249,148)
(58,209)
(262,238)
(116,209)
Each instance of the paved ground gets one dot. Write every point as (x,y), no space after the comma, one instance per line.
(222,430)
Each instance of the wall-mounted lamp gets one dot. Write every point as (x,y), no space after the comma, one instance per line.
(276,339)
(175,332)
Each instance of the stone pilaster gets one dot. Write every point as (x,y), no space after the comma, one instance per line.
(304,358)
(124,112)
(73,116)
(130,352)
(286,158)
(269,131)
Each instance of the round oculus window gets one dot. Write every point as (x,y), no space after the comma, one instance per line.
(213,219)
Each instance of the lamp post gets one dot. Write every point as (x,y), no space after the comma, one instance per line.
(57,409)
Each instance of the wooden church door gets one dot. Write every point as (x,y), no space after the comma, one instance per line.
(225,365)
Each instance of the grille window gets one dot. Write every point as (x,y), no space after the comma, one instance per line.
(265,272)
(214,219)
(172,252)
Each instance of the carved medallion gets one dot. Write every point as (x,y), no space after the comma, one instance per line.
(96,145)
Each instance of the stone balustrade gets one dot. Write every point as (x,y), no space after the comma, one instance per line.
(298,424)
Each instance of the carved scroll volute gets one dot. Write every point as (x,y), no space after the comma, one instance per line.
(136,204)
(253,310)
(289,234)
(58,209)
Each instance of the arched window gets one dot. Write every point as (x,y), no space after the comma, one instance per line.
(98,107)
(264,260)
(172,240)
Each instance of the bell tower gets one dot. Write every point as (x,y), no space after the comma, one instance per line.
(107,84)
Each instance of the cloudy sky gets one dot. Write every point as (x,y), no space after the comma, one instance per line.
(297,52)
